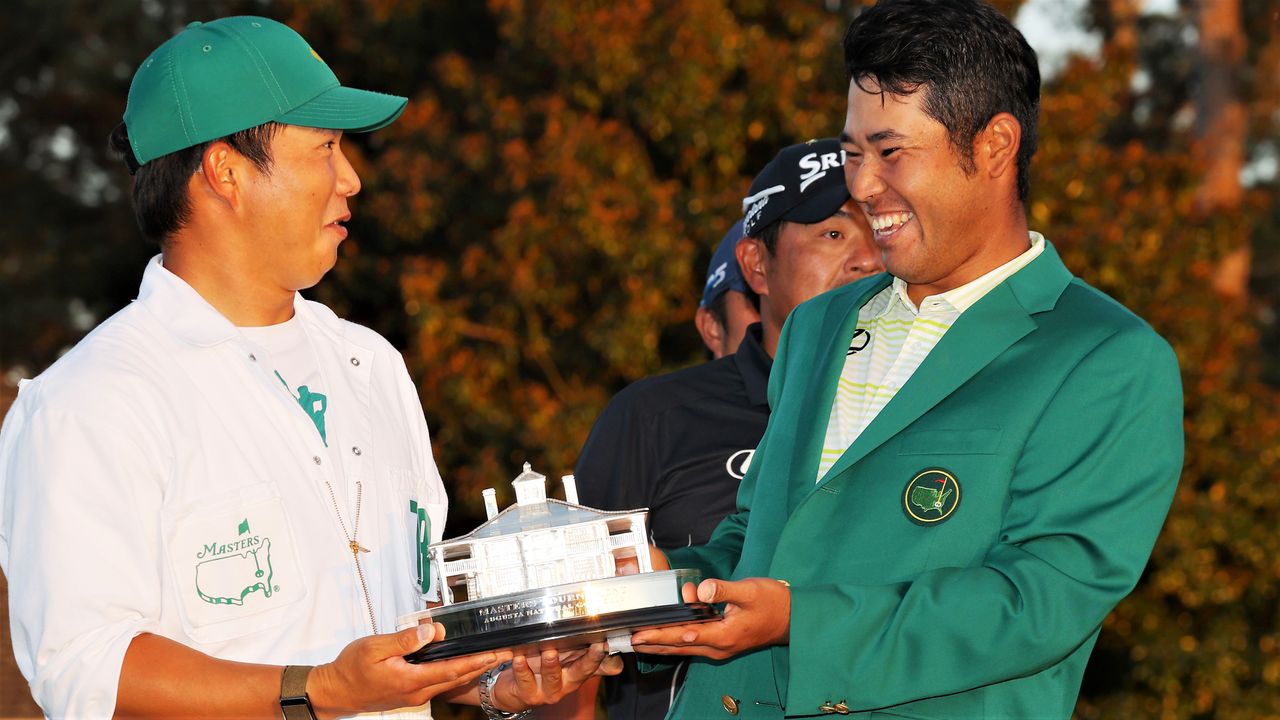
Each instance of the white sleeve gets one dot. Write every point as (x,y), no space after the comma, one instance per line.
(80,500)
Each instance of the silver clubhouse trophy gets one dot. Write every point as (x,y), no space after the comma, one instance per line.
(543,573)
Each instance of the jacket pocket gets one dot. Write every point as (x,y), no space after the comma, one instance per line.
(970,441)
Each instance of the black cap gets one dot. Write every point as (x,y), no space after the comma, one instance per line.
(804,183)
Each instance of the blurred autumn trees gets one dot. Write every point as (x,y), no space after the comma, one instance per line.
(1149,214)
(545,208)
(533,232)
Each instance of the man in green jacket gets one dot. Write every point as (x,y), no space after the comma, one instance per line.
(969,458)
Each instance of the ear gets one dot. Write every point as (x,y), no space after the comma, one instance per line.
(996,147)
(710,329)
(751,258)
(221,170)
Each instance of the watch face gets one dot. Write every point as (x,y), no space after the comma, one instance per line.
(296,708)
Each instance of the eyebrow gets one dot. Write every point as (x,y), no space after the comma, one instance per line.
(874,137)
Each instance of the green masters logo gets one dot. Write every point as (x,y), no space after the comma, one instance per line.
(931,496)
(229,570)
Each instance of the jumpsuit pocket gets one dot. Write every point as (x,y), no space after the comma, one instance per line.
(235,563)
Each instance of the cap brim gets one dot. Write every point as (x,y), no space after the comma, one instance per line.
(819,206)
(349,109)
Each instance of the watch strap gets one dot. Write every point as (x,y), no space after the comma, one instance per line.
(294,703)
(487,680)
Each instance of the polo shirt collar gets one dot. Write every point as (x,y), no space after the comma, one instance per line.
(190,317)
(940,303)
(959,299)
(754,364)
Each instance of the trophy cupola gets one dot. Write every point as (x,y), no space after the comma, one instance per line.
(531,487)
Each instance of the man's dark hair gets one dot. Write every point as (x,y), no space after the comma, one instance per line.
(768,236)
(967,58)
(718,307)
(161,204)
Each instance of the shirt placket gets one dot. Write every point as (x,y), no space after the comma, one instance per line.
(351,499)
(355,447)
(887,386)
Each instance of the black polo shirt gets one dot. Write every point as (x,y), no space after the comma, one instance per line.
(677,444)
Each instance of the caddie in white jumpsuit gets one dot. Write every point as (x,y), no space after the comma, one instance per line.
(219,502)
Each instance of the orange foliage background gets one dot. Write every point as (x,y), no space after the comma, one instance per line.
(533,231)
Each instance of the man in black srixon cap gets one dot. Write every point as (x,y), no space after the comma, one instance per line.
(804,234)
(680,443)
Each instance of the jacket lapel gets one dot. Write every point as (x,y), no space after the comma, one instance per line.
(837,327)
(978,337)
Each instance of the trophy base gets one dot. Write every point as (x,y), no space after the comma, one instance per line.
(567,634)
(564,617)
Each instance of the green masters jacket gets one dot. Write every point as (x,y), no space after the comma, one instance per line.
(959,559)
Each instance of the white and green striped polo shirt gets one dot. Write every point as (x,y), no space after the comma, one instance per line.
(899,337)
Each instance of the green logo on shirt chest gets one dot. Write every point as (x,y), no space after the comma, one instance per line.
(232,568)
(313,404)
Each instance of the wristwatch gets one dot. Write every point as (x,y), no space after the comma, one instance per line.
(487,681)
(294,702)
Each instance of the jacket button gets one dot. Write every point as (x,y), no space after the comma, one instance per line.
(730,705)
(355,362)
(827,708)
(841,708)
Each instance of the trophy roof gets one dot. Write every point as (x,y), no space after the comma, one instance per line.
(531,487)
(540,516)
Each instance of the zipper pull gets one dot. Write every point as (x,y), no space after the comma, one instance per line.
(356,548)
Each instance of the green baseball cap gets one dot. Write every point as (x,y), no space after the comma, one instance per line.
(218,78)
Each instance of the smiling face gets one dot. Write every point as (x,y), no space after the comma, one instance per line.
(298,208)
(938,223)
